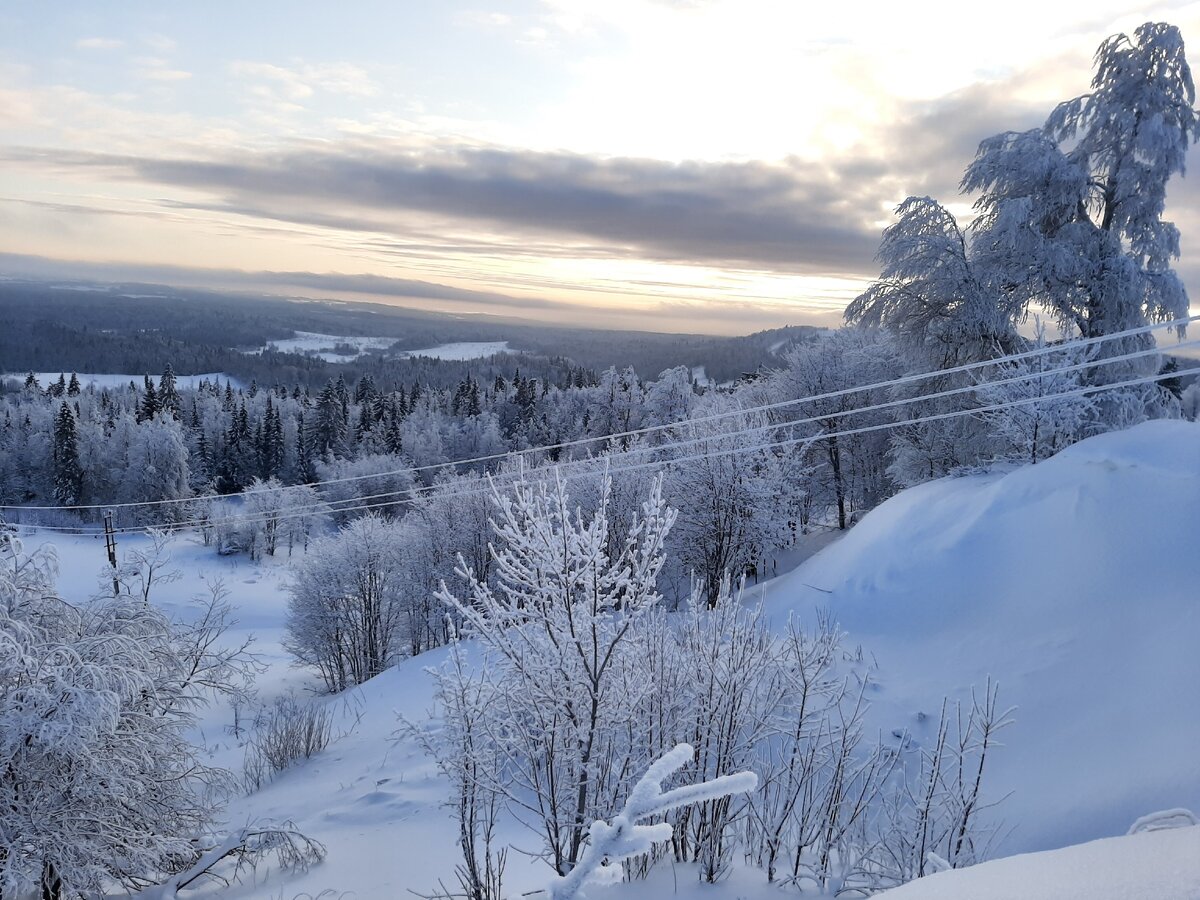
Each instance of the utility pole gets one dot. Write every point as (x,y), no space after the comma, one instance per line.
(110,545)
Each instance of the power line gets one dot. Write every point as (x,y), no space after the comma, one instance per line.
(818,419)
(329,506)
(895,382)
(790,442)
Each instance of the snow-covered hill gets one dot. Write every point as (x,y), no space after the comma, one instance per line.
(1163,865)
(1076,585)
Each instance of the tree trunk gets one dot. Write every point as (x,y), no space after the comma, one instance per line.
(51,882)
(839,488)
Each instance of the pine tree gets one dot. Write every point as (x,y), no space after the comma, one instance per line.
(168,395)
(68,476)
(150,405)
(329,427)
(73,386)
(271,443)
(305,470)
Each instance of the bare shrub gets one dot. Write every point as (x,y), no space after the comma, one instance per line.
(290,731)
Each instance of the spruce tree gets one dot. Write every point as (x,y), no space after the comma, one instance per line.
(328,432)
(68,475)
(150,405)
(168,395)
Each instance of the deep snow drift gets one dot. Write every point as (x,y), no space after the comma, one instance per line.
(1164,865)
(1075,584)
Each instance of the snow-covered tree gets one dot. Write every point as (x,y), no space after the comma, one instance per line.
(1032,422)
(347,603)
(99,784)
(1078,231)
(68,476)
(1132,132)
(1068,221)
(848,472)
(155,466)
(610,843)
(558,627)
(732,495)
(380,480)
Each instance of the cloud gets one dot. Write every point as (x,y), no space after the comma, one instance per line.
(667,315)
(99,43)
(789,214)
(803,216)
(159,43)
(154,68)
(300,82)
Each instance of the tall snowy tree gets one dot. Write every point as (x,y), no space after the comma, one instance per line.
(328,428)
(168,393)
(68,475)
(1078,231)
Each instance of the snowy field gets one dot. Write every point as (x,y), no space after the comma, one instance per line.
(112,380)
(462,351)
(310,343)
(323,347)
(1072,583)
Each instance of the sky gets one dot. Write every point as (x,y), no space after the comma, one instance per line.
(717,166)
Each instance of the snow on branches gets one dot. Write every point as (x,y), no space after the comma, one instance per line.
(623,837)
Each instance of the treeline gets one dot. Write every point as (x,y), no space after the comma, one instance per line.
(142,328)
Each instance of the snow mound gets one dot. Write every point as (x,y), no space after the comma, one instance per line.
(1160,864)
(1075,584)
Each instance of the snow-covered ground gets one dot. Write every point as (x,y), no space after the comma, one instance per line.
(322,346)
(111,380)
(1157,865)
(1073,583)
(311,343)
(462,351)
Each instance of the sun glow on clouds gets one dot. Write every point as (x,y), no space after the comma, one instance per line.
(671,164)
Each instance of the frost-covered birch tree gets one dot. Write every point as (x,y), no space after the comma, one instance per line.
(559,627)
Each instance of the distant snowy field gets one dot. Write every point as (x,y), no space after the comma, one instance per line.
(1073,583)
(112,380)
(310,343)
(322,346)
(462,351)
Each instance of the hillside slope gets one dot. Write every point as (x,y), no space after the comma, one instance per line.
(1076,585)
(1164,865)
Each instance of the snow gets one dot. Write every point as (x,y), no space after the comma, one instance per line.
(321,346)
(311,343)
(463,350)
(1160,864)
(113,380)
(1073,583)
